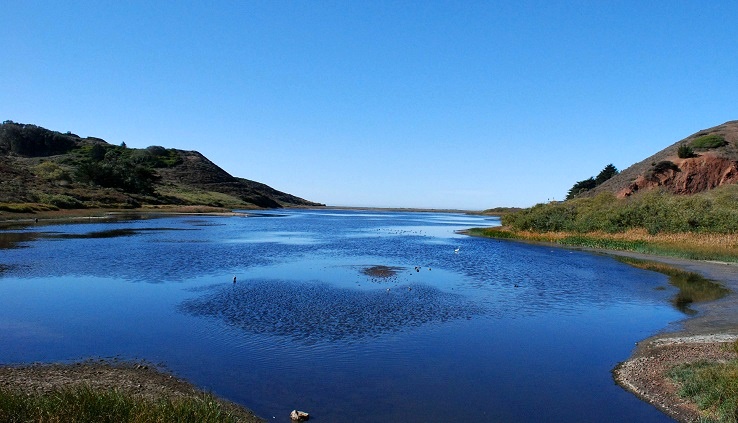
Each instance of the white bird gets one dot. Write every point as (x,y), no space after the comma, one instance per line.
(456,251)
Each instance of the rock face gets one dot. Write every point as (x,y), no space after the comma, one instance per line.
(708,168)
(688,176)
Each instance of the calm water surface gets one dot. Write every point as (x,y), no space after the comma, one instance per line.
(496,332)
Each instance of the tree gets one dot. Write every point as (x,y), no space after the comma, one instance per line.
(580,187)
(608,172)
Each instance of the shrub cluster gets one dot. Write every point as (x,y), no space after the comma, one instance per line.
(685,151)
(709,141)
(713,211)
(116,167)
(34,141)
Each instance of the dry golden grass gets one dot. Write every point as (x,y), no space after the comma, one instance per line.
(711,246)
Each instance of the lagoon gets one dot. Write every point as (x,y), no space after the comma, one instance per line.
(498,331)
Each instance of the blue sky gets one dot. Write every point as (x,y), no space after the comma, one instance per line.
(440,104)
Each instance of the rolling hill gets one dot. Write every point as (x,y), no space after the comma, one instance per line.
(63,170)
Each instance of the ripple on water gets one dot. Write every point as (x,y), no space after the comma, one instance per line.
(315,311)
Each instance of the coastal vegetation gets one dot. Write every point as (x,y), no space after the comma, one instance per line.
(709,141)
(700,226)
(712,386)
(43,170)
(84,404)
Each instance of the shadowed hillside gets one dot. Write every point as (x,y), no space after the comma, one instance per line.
(44,168)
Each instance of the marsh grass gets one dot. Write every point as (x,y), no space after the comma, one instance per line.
(690,245)
(713,386)
(84,404)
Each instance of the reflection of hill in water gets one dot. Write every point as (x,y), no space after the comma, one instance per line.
(317,311)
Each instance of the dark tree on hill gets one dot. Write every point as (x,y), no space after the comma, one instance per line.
(608,172)
(580,187)
(33,141)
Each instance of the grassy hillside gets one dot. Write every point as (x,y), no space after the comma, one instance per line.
(42,169)
(682,201)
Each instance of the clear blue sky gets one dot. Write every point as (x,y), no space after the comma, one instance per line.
(442,104)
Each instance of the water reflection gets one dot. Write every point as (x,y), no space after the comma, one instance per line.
(318,317)
(13,239)
(693,288)
(110,233)
(315,311)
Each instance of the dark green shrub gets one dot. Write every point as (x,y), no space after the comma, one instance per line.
(685,151)
(663,166)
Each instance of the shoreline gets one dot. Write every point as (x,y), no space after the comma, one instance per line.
(706,335)
(140,379)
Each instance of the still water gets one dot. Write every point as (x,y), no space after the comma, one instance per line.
(464,330)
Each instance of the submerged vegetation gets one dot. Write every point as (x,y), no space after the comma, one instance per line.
(693,288)
(713,386)
(84,404)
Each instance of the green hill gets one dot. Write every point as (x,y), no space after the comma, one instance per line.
(44,168)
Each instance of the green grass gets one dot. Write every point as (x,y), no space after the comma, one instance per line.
(190,195)
(712,386)
(84,404)
(604,243)
(709,141)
